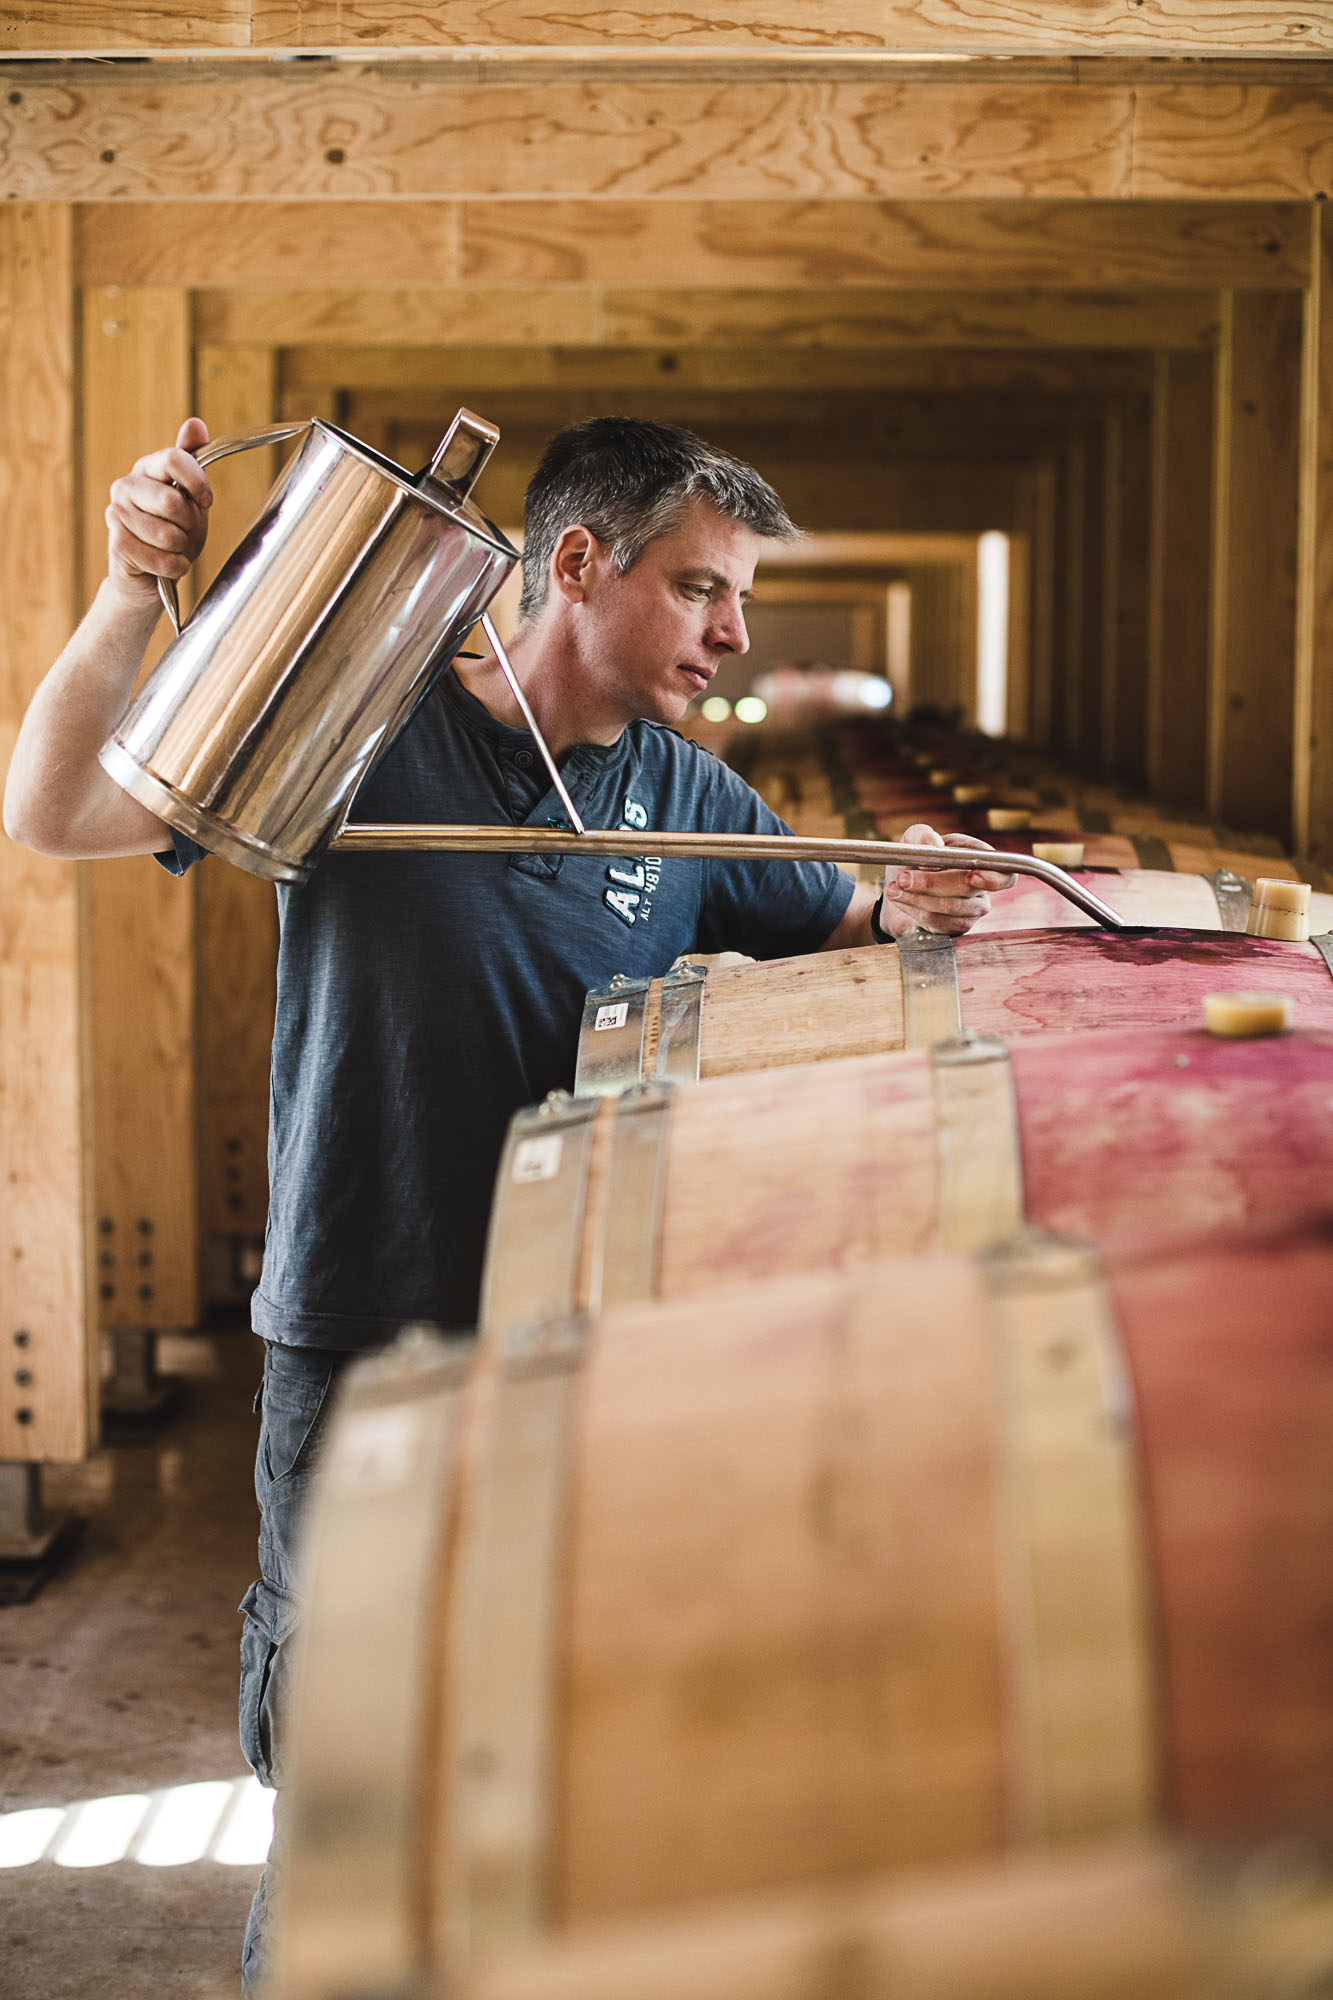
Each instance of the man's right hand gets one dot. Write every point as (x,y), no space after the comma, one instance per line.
(158,516)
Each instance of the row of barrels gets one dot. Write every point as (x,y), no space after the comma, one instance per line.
(879,1545)
(859,777)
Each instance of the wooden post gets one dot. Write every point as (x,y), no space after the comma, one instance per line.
(236,914)
(1018,632)
(1071,564)
(1180,578)
(48,1350)
(1314,627)
(944,635)
(1253,645)
(1043,596)
(140,929)
(1124,713)
(1088,627)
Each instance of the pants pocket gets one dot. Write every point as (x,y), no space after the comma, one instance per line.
(265,1660)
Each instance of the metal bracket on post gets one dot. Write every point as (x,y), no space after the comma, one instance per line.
(134,1394)
(33,1541)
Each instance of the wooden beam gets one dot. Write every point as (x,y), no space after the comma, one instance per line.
(258,131)
(1062,246)
(1314,633)
(140,924)
(595,317)
(839,428)
(68,27)
(236,945)
(1180,580)
(47,1328)
(908,497)
(1252,144)
(1256,483)
(1090,27)
(467,370)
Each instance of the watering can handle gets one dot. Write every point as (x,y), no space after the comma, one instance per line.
(222,448)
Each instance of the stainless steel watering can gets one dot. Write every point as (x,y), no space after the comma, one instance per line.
(325,627)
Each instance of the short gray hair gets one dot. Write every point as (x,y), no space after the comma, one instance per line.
(628,480)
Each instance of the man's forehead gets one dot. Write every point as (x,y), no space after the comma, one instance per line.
(713,543)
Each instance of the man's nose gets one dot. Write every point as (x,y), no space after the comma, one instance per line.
(729,631)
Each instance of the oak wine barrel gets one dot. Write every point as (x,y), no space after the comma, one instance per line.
(828,1005)
(845,1573)
(1162,1922)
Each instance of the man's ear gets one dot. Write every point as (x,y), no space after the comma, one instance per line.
(571,561)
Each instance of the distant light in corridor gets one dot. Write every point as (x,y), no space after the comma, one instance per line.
(184,1823)
(852,690)
(248,1831)
(227,1820)
(99,1831)
(750,709)
(716,709)
(992,632)
(25,1836)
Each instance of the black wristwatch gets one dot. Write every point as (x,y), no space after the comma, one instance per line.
(880,937)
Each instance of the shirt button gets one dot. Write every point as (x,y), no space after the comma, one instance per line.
(523,759)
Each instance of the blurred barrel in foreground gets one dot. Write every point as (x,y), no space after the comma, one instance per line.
(1145,1924)
(844,1574)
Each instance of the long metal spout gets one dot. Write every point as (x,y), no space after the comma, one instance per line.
(715,847)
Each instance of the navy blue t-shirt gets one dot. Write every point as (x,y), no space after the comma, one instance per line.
(424,998)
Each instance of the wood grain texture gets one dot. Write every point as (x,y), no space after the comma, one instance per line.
(345,133)
(1159,27)
(47,1330)
(594,316)
(741,1641)
(1001,245)
(68,26)
(1314,634)
(1274,142)
(1255,540)
(236,914)
(141,934)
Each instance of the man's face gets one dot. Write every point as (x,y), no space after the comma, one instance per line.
(652,640)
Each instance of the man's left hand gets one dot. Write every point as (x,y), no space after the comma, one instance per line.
(946,900)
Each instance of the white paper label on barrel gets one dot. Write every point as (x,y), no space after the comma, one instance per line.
(611,1017)
(375,1451)
(538,1159)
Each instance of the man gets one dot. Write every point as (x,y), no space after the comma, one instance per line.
(422,999)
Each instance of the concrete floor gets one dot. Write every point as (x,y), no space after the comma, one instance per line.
(120,1678)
